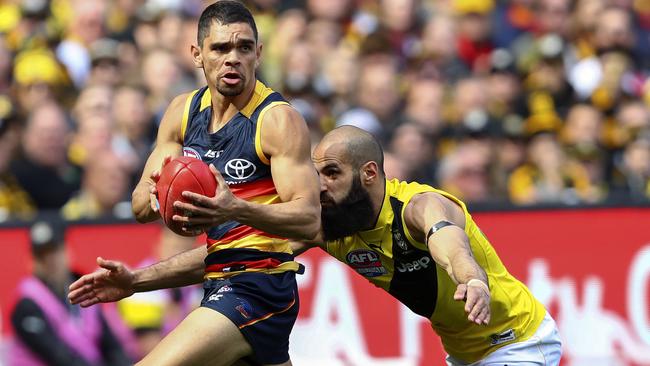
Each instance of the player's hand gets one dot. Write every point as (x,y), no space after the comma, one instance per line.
(112,282)
(205,212)
(153,192)
(477,301)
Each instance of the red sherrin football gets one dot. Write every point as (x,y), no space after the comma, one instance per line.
(182,174)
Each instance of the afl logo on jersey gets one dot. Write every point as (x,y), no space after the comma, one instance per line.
(239,169)
(188,151)
(366,263)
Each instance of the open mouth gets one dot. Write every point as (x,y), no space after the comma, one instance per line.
(231,78)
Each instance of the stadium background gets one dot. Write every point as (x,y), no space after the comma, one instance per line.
(536,112)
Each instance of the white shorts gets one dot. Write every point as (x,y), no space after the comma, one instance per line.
(544,348)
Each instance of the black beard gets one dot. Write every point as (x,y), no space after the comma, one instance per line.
(352,215)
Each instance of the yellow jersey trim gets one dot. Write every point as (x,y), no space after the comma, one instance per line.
(254,241)
(258,131)
(259,94)
(186,114)
(254,321)
(206,99)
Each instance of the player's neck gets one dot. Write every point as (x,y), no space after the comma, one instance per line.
(377,198)
(224,108)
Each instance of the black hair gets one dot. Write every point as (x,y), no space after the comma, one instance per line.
(224,12)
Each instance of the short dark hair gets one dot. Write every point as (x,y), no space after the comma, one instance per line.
(224,12)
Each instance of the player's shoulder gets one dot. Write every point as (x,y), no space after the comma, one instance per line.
(283,118)
(180,100)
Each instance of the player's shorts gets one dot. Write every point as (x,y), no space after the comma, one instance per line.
(263,306)
(544,348)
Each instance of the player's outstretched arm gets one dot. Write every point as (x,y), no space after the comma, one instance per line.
(285,139)
(114,281)
(450,248)
(168,145)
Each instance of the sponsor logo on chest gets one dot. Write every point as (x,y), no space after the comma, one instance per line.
(414,265)
(366,262)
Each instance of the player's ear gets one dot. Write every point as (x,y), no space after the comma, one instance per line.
(197,58)
(369,172)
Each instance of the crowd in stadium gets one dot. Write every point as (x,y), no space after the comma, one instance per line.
(520,101)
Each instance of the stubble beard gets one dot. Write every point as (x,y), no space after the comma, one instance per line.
(231,90)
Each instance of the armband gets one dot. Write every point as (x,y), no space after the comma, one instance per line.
(437,226)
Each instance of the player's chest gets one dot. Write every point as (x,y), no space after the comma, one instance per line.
(232,151)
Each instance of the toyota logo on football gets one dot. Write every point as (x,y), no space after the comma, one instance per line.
(240,168)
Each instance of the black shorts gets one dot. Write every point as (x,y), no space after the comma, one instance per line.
(263,306)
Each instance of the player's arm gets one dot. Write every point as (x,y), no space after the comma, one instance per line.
(168,145)
(449,247)
(114,281)
(285,139)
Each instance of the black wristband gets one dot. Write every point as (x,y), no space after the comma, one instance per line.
(437,226)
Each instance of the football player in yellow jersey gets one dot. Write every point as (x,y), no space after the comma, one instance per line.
(421,245)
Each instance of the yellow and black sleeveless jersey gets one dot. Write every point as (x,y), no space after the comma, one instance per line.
(236,151)
(390,258)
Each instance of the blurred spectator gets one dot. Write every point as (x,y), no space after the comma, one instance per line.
(48,330)
(152,315)
(439,50)
(549,177)
(378,90)
(473,41)
(39,78)
(632,174)
(553,17)
(415,149)
(514,18)
(43,170)
(87,25)
(395,167)
(105,62)
(93,101)
(14,201)
(600,77)
(424,105)
(581,136)
(298,69)
(134,122)
(340,72)
(399,20)
(463,173)
(5,67)
(161,75)
(334,10)
(104,190)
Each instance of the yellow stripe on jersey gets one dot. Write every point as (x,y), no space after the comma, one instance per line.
(254,241)
(258,132)
(259,95)
(206,100)
(186,114)
(265,200)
